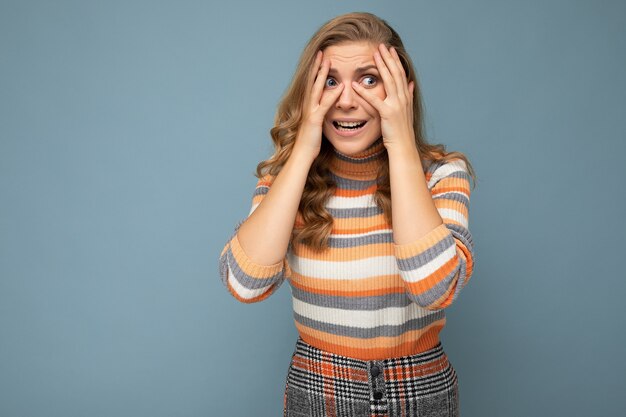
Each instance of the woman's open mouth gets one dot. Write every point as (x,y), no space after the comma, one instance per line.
(345,128)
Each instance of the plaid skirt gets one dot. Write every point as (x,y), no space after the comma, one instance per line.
(321,384)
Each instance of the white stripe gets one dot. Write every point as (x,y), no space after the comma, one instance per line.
(351,202)
(356,235)
(242,291)
(447,169)
(253,208)
(344,270)
(427,269)
(393,316)
(455,215)
(445,195)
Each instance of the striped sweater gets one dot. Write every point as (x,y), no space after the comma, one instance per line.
(365,296)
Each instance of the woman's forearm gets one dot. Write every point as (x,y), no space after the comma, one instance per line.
(414,213)
(265,234)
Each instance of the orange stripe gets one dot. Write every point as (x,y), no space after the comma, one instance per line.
(434,278)
(351,224)
(345,254)
(452,184)
(367,287)
(374,348)
(357,231)
(429,240)
(342,192)
(246,264)
(452,205)
(446,299)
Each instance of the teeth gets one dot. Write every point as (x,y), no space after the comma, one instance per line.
(348,124)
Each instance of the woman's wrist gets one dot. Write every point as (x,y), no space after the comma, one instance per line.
(303,155)
(402,149)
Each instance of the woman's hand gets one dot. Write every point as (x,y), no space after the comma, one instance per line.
(396,110)
(315,106)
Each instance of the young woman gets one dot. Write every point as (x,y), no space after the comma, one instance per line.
(369,225)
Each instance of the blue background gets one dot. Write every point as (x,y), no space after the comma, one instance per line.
(129,133)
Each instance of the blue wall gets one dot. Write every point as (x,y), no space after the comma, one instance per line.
(129,132)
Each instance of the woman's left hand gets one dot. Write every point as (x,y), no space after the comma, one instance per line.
(396,110)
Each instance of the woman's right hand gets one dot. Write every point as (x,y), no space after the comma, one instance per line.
(316,105)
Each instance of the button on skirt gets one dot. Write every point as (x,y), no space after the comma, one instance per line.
(321,384)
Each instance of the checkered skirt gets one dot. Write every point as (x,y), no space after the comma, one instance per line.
(321,384)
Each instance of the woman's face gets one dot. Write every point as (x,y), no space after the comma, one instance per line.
(352,124)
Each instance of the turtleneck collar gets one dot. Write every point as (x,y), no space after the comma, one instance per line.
(362,165)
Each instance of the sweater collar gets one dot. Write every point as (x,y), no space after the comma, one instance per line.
(362,165)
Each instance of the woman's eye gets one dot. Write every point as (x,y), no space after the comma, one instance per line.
(331,82)
(369,81)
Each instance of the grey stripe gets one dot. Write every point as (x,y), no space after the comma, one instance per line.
(350,184)
(458,174)
(357,212)
(417,261)
(462,277)
(361,333)
(413,263)
(260,190)
(351,242)
(373,302)
(432,295)
(247,280)
(453,196)
(433,166)
(462,234)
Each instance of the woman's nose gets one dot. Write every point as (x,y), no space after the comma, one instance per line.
(347,98)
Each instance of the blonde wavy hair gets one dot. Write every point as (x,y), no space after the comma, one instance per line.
(319,187)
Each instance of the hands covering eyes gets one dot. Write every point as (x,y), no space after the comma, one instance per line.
(315,107)
(396,110)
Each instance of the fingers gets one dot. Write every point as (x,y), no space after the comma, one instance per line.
(318,101)
(330,97)
(312,74)
(392,62)
(320,80)
(388,82)
(403,75)
(395,67)
(398,62)
(315,68)
(371,98)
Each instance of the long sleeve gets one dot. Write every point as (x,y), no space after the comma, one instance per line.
(247,281)
(437,266)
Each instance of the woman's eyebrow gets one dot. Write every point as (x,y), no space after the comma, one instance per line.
(358,70)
